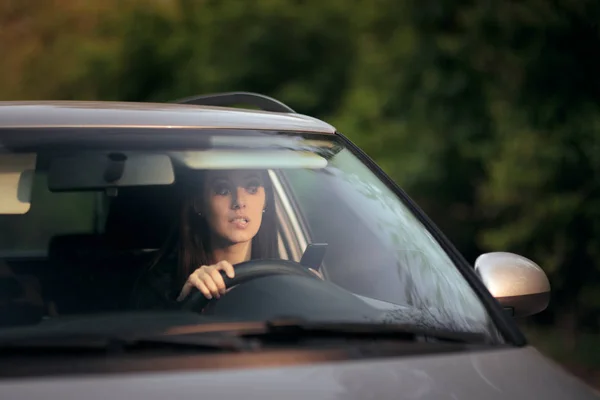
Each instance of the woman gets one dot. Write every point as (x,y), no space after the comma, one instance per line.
(226,217)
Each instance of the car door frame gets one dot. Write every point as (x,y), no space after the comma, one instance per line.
(294,233)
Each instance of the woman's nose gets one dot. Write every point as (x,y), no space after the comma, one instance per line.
(239,199)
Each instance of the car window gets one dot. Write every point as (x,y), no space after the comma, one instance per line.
(376,246)
(323,193)
(51,214)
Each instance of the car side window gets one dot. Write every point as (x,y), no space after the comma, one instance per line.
(385,253)
(346,264)
(51,214)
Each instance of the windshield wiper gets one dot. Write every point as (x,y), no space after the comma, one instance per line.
(106,344)
(296,330)
(236,338)
(285,330)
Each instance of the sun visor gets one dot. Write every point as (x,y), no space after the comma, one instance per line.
(16,181)
(250,159)
(98,170)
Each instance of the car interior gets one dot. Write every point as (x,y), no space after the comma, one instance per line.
(89,272)
(91,267)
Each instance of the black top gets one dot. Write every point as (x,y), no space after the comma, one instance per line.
(157,288)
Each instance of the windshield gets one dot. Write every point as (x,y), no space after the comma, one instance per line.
(89,231)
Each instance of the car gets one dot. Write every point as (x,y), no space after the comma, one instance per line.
(362,296)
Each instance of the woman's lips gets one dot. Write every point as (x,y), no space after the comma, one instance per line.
(239,222)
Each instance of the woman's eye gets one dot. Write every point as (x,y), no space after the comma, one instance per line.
(221,190)
(252,188)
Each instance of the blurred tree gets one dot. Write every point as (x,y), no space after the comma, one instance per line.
(542,195)
(416,105)
(46,46)
(491,111)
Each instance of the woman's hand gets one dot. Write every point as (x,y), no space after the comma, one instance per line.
(208,280)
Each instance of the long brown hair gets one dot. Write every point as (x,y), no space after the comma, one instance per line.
(191,234)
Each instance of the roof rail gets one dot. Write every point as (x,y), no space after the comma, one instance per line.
(229,99)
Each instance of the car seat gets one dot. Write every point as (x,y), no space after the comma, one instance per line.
(20,299)
(96,272)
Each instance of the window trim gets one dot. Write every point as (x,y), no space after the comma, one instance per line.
(292,234)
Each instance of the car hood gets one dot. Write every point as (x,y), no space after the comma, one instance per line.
(520,373)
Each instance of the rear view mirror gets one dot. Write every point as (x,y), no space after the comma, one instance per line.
(518,283)
(100,170)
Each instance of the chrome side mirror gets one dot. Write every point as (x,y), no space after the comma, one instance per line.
(518,283)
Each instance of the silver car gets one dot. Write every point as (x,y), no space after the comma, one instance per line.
(362,297)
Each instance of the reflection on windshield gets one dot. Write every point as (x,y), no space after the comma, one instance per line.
(390,254)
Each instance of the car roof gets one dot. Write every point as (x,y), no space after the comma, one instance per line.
(105,114)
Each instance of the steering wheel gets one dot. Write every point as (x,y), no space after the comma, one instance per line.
(245,272)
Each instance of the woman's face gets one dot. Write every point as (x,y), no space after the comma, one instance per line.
(233,203)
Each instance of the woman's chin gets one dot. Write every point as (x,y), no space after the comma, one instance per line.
(239,237)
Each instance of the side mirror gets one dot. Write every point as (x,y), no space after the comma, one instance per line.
(518,283)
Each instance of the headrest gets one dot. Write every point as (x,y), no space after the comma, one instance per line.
(10,288)
(138,219)
(141,218)
(89,246)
